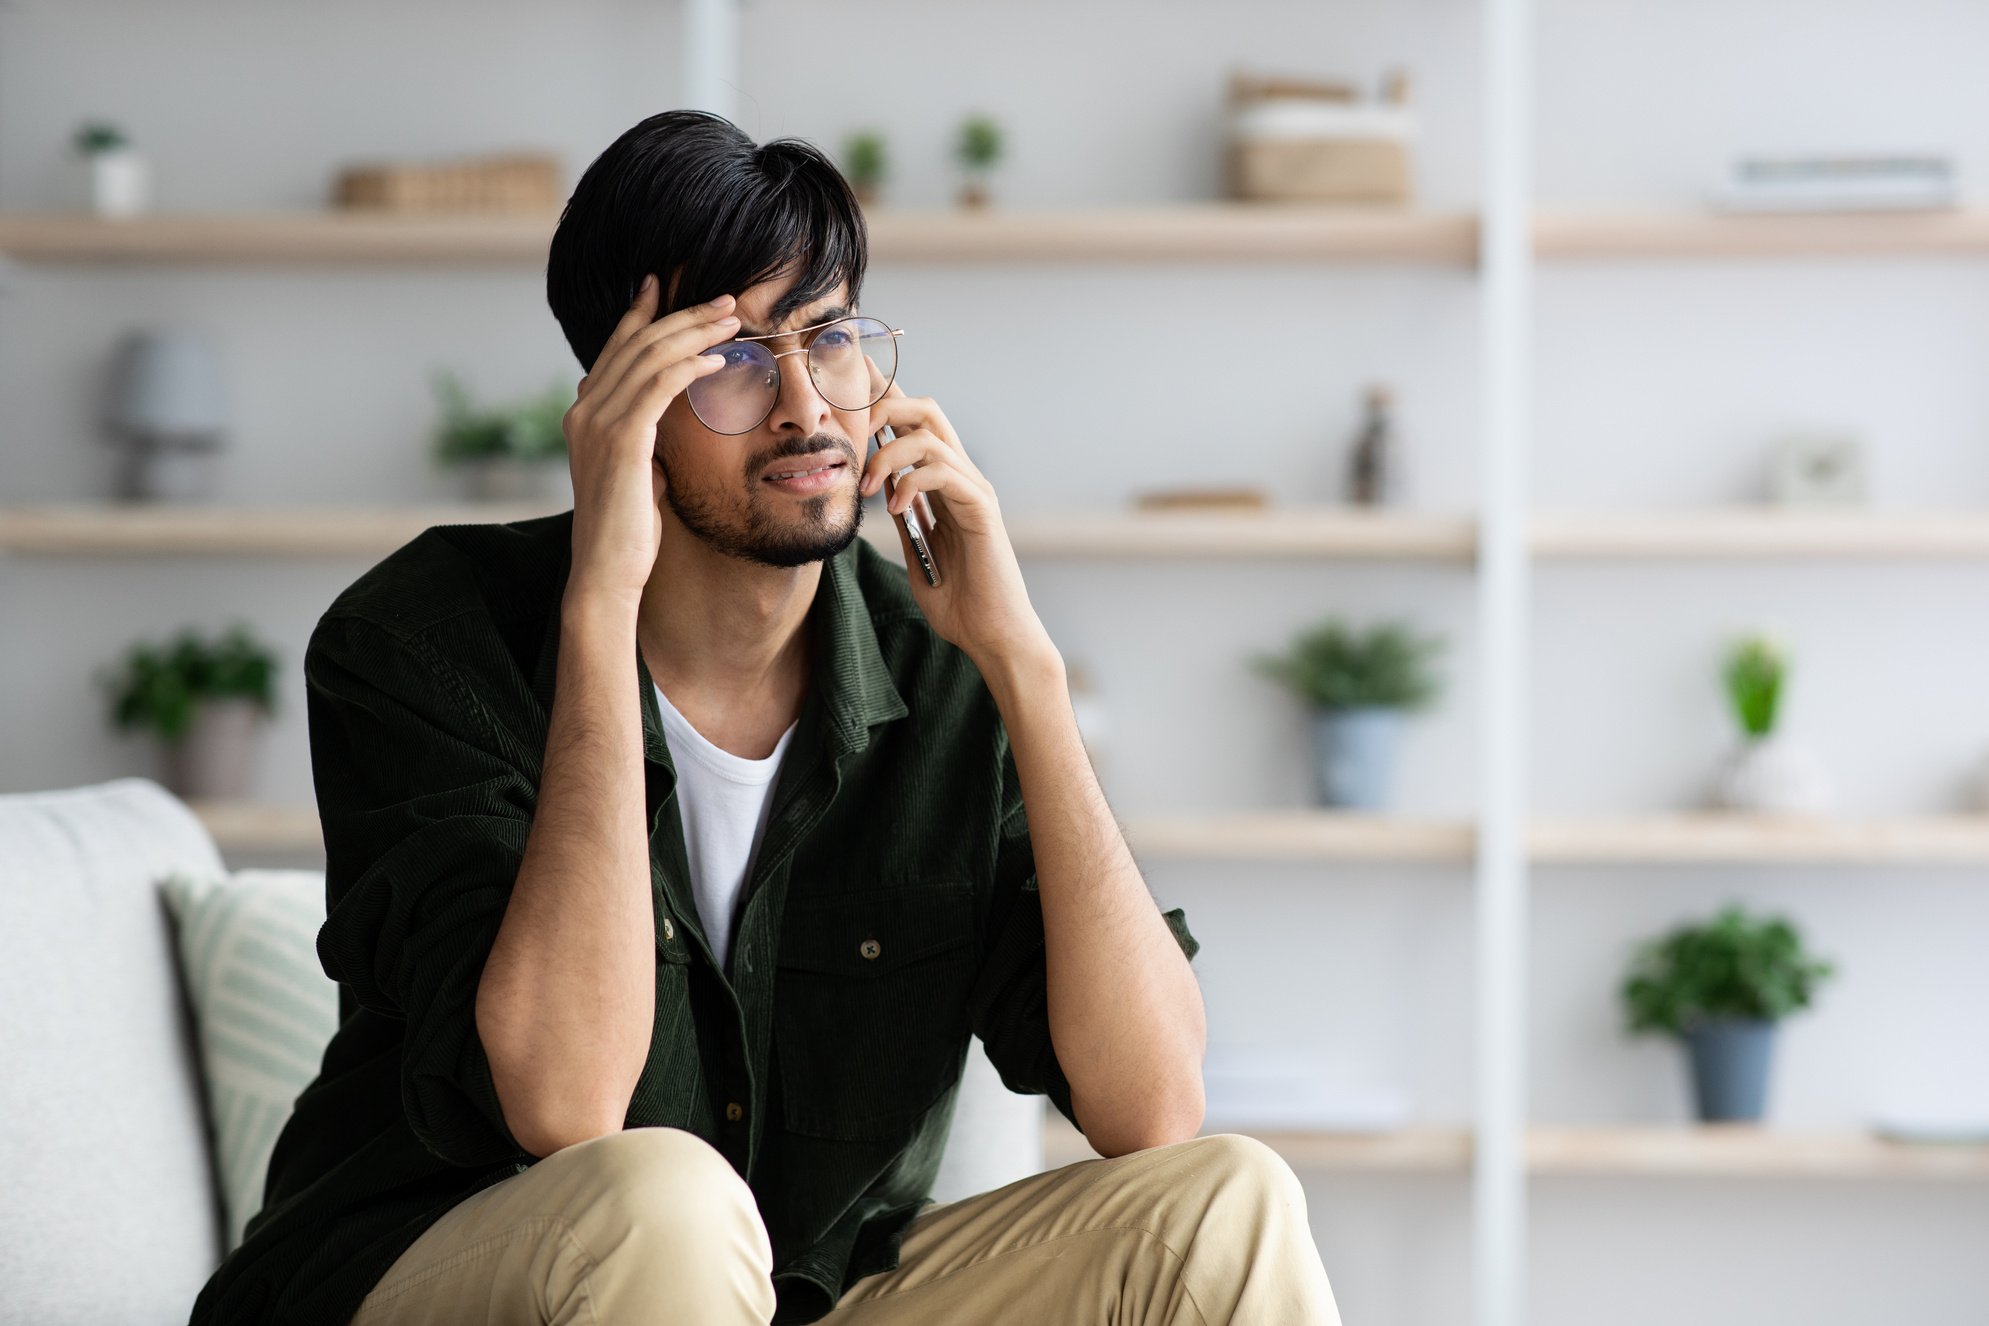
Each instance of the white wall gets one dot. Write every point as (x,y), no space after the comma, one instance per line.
(1658,385)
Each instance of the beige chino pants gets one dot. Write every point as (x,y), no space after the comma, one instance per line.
(653,1226)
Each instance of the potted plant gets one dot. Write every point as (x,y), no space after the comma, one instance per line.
(114,180)
(514,453)
(203,699)
(866,164)
(1359,684)
(1721,987)
(978,148)
(1765,773)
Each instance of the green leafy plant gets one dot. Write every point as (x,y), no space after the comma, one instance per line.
(979,146)
(531,429)
(1754,671)
(159,686)
(1734,966)
(865,161)
(99,136)
(1335,666)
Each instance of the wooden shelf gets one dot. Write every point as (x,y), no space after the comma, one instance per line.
(158,528)
(1296,531)
(1712,837)
(1322,531)
(304,236)
(250,827)
(1325,835)
(1399,1151)
(1762,531)
(1742,1151)
(1299,835)
(1198,231)
(1186,232)
(1732,1151)
(1702,234)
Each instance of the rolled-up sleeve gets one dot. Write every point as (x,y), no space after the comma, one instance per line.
(424,829)
(1010,1003)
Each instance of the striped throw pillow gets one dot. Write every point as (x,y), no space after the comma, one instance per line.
(263,1005)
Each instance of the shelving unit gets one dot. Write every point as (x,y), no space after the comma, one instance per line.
(1501,544)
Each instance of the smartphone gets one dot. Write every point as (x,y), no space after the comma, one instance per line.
(915,524)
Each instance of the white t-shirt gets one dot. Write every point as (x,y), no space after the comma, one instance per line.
(723,800)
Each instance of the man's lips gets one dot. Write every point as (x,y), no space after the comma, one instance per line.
(802,466)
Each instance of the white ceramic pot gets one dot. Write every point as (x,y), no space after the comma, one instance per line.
(509,479)
(216,758)
(116,182)
(1978,787)
(1769,775)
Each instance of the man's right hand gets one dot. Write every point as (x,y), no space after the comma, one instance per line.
(611,436)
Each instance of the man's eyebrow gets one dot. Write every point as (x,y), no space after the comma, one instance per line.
(826,315)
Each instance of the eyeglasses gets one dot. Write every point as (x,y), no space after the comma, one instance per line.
(852,362)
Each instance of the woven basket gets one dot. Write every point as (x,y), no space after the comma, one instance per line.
(1291,140)
(508,182)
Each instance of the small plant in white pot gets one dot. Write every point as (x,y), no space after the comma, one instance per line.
(866,164)
(115,179)
(514,453)
(1358,685)
(204,699)
(1721,987)
(978,149)
(1767,773)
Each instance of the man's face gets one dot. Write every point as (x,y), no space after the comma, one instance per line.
(720,485)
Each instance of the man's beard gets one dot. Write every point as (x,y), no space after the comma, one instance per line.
(766,538)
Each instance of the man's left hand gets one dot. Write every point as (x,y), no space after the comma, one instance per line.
(980,603)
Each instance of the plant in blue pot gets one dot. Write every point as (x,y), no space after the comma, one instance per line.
(1358,683)
(1721,987)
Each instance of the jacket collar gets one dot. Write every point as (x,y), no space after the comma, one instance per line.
(849,677)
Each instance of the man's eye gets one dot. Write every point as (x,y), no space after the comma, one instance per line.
(835,338)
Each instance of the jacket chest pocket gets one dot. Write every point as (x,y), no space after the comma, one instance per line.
(870,1007)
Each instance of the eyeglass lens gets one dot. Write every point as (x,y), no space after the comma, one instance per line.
(852,362)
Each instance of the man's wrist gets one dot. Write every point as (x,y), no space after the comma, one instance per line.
(1018,675)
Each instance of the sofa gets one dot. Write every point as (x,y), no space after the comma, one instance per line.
(158,1011)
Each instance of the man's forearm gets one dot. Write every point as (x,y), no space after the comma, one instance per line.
(566,1003)
(1125,1013)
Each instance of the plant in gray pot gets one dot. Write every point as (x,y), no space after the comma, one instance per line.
(203,698)
(1721,987)
(1359,684)
(512,453)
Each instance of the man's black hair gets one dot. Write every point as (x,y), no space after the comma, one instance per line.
(688,189)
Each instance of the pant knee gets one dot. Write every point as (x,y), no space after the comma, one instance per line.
(668,1193)
(1241,1170)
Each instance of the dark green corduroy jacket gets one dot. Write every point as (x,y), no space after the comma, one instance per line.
(891,914)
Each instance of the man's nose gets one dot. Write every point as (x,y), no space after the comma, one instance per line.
(800,400)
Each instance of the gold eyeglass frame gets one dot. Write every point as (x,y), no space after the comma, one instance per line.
(798,350)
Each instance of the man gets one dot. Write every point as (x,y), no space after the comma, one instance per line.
(678,844)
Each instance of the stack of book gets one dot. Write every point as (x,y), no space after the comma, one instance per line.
(1838,184)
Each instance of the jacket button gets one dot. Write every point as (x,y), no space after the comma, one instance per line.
(669,931)
(869,948)
(734,1111)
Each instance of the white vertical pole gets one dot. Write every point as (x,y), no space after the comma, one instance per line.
(711,56)
(1505,267)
